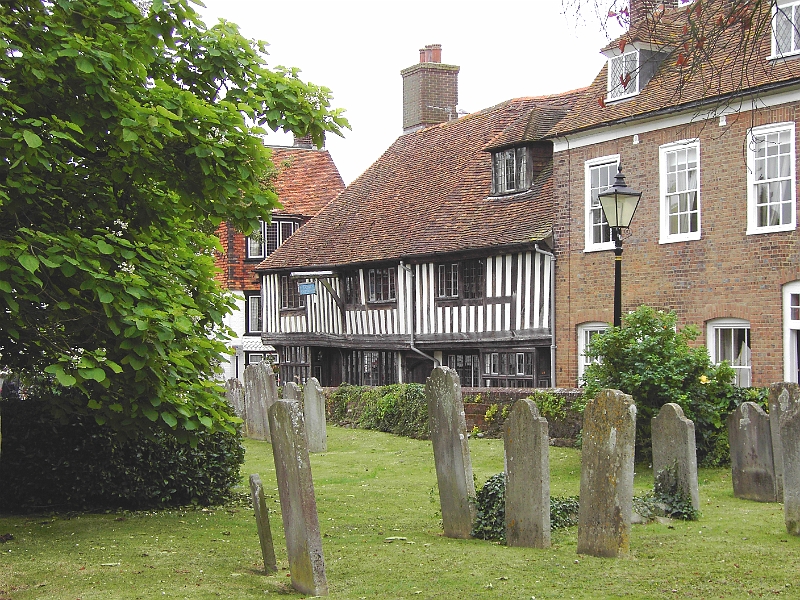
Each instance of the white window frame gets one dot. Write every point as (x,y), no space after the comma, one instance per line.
(589,244)
(783,11)
(256,244)
(253,303)
(615,89)
(664,153)
(585,333)
(752,182)
(518,159)
(744,372)
(791,331)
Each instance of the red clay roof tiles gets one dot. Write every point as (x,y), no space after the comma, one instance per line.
(306,180)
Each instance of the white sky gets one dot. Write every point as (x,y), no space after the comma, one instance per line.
(357,48)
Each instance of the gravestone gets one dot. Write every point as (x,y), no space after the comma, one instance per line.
(262,523)
(298,503)
(291,391)
(781,395)
(314,412)
(606,498)
(752,467)
(674,452)
(527,444)
(271,388)
(790,442)
(451,451)
(234,393)
(256,425)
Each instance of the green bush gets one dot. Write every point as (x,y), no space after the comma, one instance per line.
(399,408)
(650,359)
(71,462)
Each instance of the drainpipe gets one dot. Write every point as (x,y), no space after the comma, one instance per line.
(414,315)
(552,313)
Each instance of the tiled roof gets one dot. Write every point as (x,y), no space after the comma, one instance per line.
(306,180)
(428,194)
(732,68)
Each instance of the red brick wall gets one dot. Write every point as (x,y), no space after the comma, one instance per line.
(236,273)
(724,274)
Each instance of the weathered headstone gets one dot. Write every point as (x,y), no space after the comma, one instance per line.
(255,390)
(752,466)
(262,523)
(606,500)
(781,395)
(298,503)
(291,391)
(451,451)
(314,412)
(271,389)
(790,442)
(674,452)
(234,393)
(527,449)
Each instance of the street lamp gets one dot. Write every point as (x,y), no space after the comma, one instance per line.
(618,202)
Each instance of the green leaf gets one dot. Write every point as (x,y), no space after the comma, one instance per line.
(94,404)
(129,136)
(33,140)
(65,379)
(83,64)
(169,419)
(105,296)
(95,374)
(150,413)
(104,247)
(29,262)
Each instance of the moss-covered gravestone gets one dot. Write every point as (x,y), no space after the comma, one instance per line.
(752,466)
(790,443)
(674,453)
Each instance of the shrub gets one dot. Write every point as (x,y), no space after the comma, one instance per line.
(71,462)
(399,408)
(650,359)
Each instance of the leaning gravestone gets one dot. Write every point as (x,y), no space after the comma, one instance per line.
(451,451)
(234,393)
(262,523)
(781,396)
(790,442)
(606,500)
(526,443)
(298,503)
(291,391)
(752,467)
(255,400)
(314,412)
(674,453)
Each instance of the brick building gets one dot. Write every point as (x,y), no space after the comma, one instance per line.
(715,234)
(305,181)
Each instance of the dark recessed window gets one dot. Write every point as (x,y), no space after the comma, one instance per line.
(510,171)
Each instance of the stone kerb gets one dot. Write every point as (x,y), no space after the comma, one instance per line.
(789,430)
(781,396)
(255,390)
(674,452)
(451,452)
(234,393)
(314,412)
(298,502)
(527,497)
(752,466)
(607,459)
(262,524)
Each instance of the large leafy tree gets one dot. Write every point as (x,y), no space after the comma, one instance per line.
(127,135)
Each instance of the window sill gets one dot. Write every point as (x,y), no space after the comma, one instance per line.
(293,311)
(599,247)
(772,229)
(773,57)
(385,305)
(673,239)
(253,333)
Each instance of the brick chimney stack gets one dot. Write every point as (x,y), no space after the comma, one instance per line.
(430,91)
(642,9)
(306,142)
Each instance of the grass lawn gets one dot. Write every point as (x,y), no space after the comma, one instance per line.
(371,486)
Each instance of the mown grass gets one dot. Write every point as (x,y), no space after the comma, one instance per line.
(371,486)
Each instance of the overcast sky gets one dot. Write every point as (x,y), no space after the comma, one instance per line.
(357,48)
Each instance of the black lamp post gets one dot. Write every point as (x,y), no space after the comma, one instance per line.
(618,202)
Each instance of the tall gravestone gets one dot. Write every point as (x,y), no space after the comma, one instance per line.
(262,523)
(451,451)
(781,396)
(752,466)
(255,400)
(674,452)
(234,393)
(789,430)
(298,503)
(314,412)
(271,388)
(606,500)
(291,391)
(527,449)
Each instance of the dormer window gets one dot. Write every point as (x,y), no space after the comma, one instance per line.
(510,171)
(785,35)
(623,74)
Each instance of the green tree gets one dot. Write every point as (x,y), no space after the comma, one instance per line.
(654,362)
(127,136)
